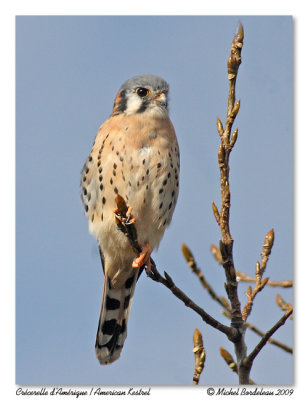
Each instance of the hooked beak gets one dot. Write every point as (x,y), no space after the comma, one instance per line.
(160,99)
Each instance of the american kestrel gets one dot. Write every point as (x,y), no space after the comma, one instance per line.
(136,155)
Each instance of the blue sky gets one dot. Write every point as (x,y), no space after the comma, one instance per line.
(68,70)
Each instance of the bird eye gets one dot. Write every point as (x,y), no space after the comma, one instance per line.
(142,92)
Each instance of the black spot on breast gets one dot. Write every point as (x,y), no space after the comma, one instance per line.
(173,193)
(148,171)
(102,217)
(170,205)
(99,164)
(165,182)
(143,161)
(104,200)
(161,205)
(85,191)
(90,158)
(87,170)
(158,165)
(121,159)
(169,175)
(101,186)
(100,178)
(115,166)
(111,181)
(100,169)
(116,190)
(161,190)
(114,173)
(86,208)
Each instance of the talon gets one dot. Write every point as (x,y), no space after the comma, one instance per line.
(129,216)
(144,258)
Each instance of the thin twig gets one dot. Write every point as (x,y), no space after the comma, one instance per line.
(197,271)
(258,331)
(260,269)
(282,304)
(274,342)
(247,362)
(242,277)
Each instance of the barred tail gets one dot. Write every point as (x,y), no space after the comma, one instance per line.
(112,325)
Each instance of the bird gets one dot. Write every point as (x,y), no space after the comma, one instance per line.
(135,155)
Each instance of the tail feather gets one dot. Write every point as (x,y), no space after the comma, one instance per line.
(112,325)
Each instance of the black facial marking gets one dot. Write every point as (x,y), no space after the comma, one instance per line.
(121,104)
(143,107)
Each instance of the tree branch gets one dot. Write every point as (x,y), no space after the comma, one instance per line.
(247,362)
(226,145)
(127,226)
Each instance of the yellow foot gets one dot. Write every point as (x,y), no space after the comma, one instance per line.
(144,258)
(130,219)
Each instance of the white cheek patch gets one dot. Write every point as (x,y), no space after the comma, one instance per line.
(133,104)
